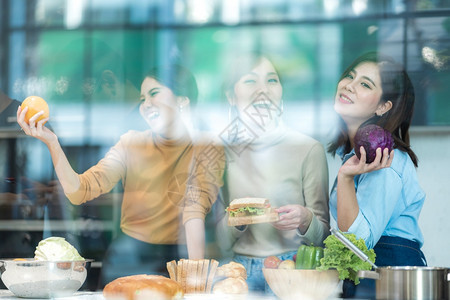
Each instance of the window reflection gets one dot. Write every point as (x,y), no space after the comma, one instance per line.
(63,49)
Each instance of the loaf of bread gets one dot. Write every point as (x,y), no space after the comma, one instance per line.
(143,287)
(231,279)
(232,269)
(231,285)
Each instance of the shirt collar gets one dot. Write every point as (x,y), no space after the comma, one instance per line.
(344,156)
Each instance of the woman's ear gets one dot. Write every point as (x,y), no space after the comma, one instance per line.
(384,108)
(183,101)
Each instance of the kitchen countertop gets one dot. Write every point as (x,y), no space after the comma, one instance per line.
(6,294)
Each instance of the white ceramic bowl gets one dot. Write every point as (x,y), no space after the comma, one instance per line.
(302,284)
(43,279)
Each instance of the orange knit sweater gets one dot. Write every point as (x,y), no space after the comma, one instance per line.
(166,183)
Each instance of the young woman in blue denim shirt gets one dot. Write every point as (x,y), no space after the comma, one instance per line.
(381,201)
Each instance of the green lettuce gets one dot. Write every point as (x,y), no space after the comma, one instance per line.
(251,210)
(338,256)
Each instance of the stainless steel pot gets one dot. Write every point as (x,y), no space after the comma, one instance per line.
(410,283)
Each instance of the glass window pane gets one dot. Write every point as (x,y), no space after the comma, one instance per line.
(18,82)
(109,12)
(17,13)
(69,14)
(429,61)
(48,12)
(61,55)
(424,5)
(87,58)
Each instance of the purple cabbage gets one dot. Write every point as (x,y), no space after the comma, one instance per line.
(372,137)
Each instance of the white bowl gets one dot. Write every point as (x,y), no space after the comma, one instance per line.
(43,279)
(302,284)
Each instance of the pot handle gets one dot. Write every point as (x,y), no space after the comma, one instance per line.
(369,275)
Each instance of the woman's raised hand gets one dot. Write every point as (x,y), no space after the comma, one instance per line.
(354,166)
(35,129)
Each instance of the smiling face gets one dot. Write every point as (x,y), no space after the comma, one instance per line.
(260,87)
(159,106)
(258,93)
(358,95)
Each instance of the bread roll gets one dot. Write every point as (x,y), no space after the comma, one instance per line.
(231,286)
(232,269)
(135,286)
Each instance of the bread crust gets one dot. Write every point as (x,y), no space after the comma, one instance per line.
(130,286)
(252,202)
(232,269)
(231,285)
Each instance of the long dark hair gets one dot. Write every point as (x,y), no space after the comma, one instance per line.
(397,88)
(178,79)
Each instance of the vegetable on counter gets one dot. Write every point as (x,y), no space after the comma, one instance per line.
(338,256)
(308,257)
(56,249)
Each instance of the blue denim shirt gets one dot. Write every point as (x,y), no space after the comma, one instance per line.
(390,201)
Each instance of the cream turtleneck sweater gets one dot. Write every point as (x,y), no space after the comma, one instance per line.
(286,167)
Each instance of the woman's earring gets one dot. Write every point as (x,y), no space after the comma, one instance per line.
(181,103)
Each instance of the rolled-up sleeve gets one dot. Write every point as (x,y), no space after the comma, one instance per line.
(315,233)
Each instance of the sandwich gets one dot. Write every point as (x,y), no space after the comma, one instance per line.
(244,211)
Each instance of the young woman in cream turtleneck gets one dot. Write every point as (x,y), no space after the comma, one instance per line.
(267,159)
